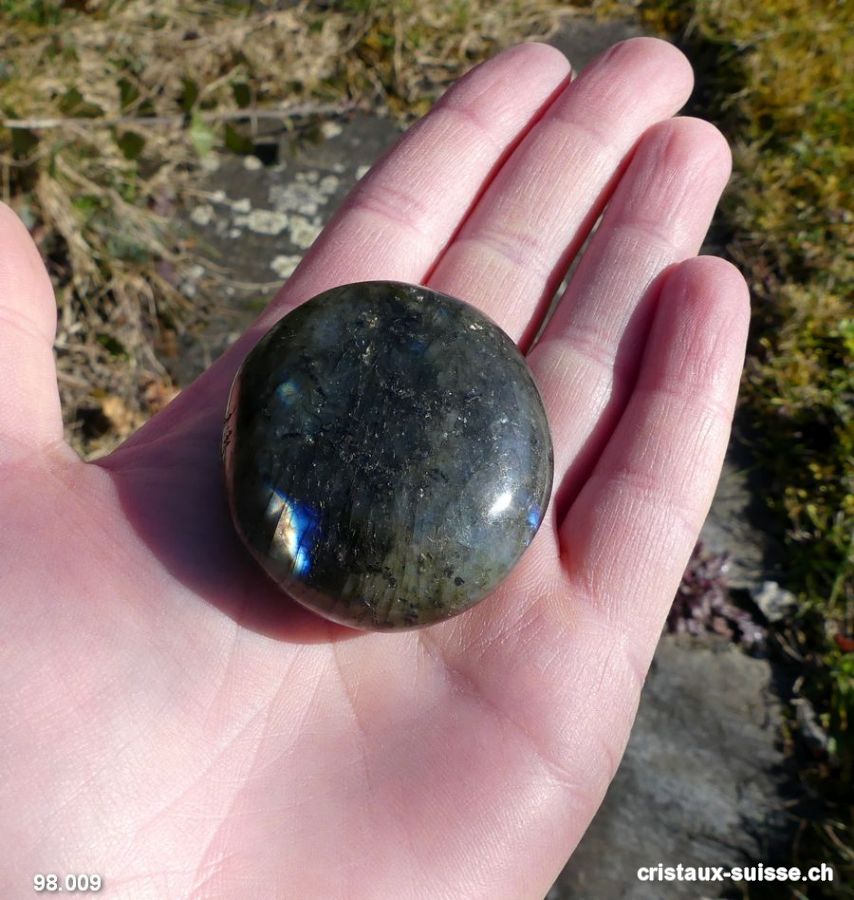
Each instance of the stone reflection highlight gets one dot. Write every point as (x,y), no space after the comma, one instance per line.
(502,502)
(293,531)
(387,455)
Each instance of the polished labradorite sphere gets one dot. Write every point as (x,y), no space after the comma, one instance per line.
(387,455)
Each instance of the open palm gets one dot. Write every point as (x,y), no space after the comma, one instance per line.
(172,722)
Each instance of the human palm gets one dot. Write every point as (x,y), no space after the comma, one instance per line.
(175,724)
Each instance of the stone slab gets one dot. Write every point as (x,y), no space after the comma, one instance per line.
(701,782)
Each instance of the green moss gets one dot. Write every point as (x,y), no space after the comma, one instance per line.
(775,80)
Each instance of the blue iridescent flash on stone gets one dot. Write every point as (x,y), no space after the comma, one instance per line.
(294,530)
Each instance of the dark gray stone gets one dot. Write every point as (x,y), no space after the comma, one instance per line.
(581,39)
(701,783)
(388,456)
(735,522)
(252,223)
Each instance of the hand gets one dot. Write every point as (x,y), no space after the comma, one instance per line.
(171,722)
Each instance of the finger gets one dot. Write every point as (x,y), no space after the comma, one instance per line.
(404,211)
(587,358)
(30,417)
(515,247)
(628,536)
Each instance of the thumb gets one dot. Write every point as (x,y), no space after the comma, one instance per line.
(30,417)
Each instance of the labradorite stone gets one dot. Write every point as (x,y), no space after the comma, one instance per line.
(387,455)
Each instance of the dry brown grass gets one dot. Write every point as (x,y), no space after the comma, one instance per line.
(124,101)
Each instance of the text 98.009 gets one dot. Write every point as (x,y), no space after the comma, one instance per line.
(67,883)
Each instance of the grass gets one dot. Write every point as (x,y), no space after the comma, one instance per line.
(776,83)
(110,108)
(137,94)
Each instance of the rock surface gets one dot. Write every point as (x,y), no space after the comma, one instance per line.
(581,39)
(739,526)
(700,783)
(388,456)
(256,221)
